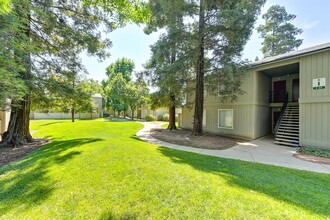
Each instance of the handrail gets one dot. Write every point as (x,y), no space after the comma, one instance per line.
(279,120)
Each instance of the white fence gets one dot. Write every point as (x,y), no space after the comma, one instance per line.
(60,115)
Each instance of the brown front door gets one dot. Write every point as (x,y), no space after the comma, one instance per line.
(279,91)
(295,90)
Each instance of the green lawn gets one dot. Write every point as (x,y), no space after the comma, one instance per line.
(96,169)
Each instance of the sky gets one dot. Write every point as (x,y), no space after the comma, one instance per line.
(131,42)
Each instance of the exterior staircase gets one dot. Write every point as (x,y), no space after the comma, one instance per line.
(288,130)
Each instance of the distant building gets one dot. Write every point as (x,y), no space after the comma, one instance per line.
(97,99)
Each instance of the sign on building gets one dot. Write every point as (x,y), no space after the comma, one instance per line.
(318,83)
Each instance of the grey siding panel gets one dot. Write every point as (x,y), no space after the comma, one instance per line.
(315,124)
(242,120)
(262,121)
(315,104)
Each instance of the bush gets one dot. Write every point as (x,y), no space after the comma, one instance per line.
(106,115)
(150,118)
(164,117)
(315,151)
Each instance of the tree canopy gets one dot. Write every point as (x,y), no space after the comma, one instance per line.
(213,35)
(47,37)
(124,66)
(278,33)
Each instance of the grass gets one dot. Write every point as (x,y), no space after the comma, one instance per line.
(95,169)
(315,152)
(166,125)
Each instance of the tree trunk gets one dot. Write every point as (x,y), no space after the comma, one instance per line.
(199,92)
(18,132)
(72,114)
(132,114)
(171,121)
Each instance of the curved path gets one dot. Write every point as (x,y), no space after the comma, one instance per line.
(261,150)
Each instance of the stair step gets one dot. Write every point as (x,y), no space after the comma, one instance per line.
(286,143)
(287,137)
(288,133)
(288,127)
(288,124)
(291,131)
(287,140)
(295,133)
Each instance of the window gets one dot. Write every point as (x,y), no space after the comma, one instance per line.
(204,117)
(184,99)
(225,118)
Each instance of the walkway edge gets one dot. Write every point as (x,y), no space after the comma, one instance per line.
(282,156)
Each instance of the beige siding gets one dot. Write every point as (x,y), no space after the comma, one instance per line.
(315,104)
(262,112)
(4,121)
(245,109)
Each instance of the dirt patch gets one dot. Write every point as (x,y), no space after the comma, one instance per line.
(183,137)
(8,155)
(312,158)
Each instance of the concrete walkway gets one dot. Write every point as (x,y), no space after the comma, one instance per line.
(261,150)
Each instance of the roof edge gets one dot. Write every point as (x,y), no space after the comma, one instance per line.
(292,54)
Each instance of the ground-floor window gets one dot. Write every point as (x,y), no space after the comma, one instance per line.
(225,118)
(204,117)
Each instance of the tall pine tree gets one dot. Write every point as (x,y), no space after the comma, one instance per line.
(167,69)
(278,33)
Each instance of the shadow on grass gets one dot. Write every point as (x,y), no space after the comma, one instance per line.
(26,183)
(137,138)
(51,123)
(308,190)
(108,215)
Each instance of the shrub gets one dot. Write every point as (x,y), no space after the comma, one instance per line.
(150,118)
(315,151)
(106,115)
(164,117)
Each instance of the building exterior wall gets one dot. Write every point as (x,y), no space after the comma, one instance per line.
(98,102)
(4,121)
(253,103)
(252,113)
(97,99)
(61,115)
(314,105)
(145,110)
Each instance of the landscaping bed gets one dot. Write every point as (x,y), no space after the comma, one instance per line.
(11,154)
(184,137)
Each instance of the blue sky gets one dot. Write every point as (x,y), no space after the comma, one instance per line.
(130,42)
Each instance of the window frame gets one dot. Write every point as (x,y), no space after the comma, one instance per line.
(204,118)
(232,115)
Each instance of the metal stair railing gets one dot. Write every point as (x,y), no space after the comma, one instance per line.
(280,117)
